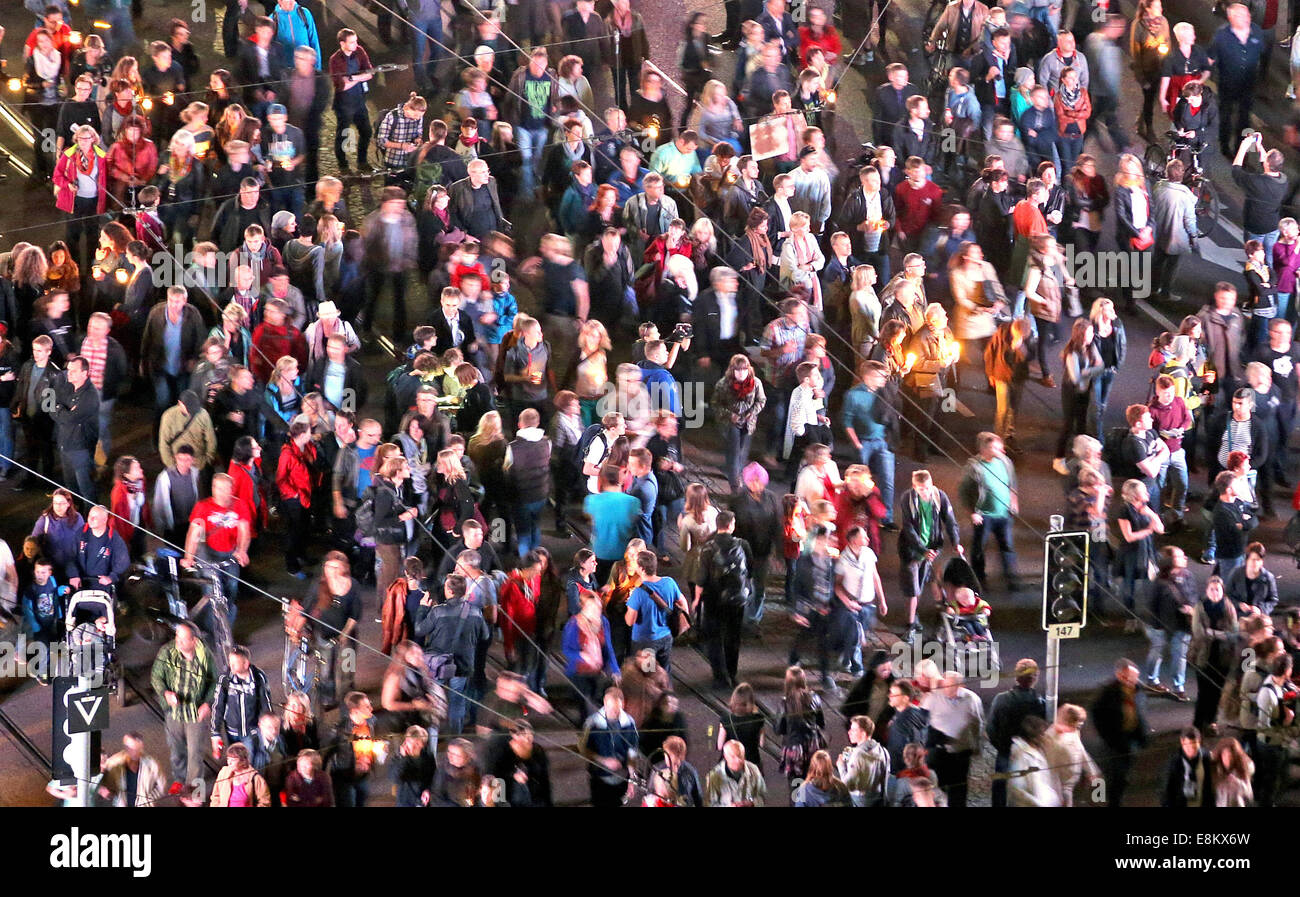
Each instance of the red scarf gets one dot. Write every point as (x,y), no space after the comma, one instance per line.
(740,389)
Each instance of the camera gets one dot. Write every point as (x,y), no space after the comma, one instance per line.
(682,331)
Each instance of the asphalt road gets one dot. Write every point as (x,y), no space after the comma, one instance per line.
(1085,663)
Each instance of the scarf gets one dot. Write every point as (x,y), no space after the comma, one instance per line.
(85,162)
(1070,97)
(176,171)
(47,67)
(623,23)
(741,389)
(126,108)
(760,247)
(803,255)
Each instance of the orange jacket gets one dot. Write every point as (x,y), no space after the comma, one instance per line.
(1078,115)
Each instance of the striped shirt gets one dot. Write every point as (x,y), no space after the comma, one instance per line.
(1235,438)
(96,354)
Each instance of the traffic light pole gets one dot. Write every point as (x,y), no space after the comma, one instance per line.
(78,755)
(1053,669)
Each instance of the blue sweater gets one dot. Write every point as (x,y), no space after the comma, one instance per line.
(58,540)
(293,29)
(614,518)
(859,413)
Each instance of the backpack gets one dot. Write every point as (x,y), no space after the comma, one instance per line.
(589,435)
(365,518)
(729,573)
(1112,452)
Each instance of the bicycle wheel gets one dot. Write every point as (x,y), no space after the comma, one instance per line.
(1207,205)
(1153,160)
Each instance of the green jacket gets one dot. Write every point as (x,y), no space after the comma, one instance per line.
(194,681)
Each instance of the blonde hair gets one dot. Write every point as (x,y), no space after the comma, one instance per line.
(489,429)
(329,188)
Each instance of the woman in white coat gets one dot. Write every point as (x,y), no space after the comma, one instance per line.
(1033,783)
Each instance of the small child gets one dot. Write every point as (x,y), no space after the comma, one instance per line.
(464,261)
(821,513)
(42,603)
(969,611)
(504,309)
(794,514)
(149,227)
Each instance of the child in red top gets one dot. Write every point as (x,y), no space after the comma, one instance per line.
(466,261)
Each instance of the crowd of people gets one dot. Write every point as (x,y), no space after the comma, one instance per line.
(718,271)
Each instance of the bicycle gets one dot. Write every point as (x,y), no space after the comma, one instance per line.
(1158,156)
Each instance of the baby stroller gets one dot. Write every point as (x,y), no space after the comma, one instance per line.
(963,625)
(92,641)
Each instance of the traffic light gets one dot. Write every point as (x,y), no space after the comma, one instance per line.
(1065,582)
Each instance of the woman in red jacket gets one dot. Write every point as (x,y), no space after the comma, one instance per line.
(129,504)
(293,487)
(132,161)
(245,472)
(519,598)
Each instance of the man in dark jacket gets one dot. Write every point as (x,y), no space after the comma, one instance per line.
(910,724)
(1008,710)
(527,468)
(454,630)
(1189,779)
(237,213)
(475,206)
(759,523)
(926,520)
(860,215)
(337,375)
(242,696)
(170,346)
(814,584)
(76,418)
(1119,713)
(890,106)
(719,319)
(1223,325)
(36,380)
(102,556)
(352,752)
(724,588)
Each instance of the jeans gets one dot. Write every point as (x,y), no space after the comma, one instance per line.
(6,441)
(351,794)
(663,513)
(456,689)
(754,612)
(875,453)
(1068,149)
(1178,644)
(227,571)
(531,142)
(1100,397)
(867,620)
(1175,476)
(426,74)
(167,389)
(527,516)
(663,649)
(186,745)
(105,428)
(1000,529)
(1268,240)
(736,440)
(1283,305)
(79,472)
(778,400)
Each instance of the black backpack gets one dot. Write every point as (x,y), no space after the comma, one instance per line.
(1112,452)
(589,435)
(729,573)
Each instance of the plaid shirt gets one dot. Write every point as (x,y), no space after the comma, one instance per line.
(399,129)
(778,333)
(96,355)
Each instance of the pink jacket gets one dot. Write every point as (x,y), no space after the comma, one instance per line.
(65,180)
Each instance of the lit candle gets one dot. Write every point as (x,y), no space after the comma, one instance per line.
(146,104)
(168,98)
(74,38)
(830,97)
(121,275)
(15,84)
(97,272)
